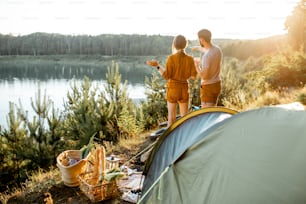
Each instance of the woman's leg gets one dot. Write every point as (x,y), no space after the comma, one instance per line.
(183,108)
(171,113)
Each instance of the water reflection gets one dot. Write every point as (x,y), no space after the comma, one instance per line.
(16,90)
(134,73)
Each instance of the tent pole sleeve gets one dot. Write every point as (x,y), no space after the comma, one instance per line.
(152,186)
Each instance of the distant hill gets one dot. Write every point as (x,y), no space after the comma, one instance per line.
(243,49)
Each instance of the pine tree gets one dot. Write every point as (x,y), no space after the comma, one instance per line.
(127,124)
(123,122)
(115,91)
(37,130)
(85,113)
(107,113)
(13,139)
(155,108)
(28,144)
(55,133)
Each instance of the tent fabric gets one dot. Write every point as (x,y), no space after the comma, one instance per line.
(181,135)
(256,156)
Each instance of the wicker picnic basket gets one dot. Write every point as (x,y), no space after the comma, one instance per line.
(96,193)
(93,184)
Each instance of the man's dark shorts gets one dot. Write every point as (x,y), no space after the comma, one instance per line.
(210,93)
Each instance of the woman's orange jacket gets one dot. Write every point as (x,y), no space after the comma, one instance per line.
(179,68)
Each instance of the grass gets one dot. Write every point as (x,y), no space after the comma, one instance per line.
(282,96)
(127,148)
(38,182)
(241,102)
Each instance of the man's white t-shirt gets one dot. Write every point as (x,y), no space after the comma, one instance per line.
(211,64)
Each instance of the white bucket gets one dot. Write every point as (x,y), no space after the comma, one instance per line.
(71,172)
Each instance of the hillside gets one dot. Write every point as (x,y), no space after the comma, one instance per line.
(243,49)
(47,186)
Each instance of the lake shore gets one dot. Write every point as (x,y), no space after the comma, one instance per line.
(20,76)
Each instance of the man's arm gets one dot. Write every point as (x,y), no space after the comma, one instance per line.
(203,72)
(197,48)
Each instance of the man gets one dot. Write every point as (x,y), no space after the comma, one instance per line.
(209,69)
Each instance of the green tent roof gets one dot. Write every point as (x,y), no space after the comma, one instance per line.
(257,156)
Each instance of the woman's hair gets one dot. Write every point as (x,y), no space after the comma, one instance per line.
(179,43)
(205,34)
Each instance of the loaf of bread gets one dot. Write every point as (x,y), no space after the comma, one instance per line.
(152,63)
(96,165)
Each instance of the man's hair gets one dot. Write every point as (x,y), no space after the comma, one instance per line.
(180,42)
(205,34)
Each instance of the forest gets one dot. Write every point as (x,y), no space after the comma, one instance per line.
(110,45)
(38,44)
(254,73)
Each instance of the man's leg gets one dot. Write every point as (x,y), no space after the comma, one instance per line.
(208,104)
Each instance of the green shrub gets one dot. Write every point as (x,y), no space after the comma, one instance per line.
(302,98)
(285,69)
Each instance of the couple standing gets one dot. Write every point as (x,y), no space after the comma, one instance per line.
(180,67)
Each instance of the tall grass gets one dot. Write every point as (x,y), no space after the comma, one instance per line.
(38,181)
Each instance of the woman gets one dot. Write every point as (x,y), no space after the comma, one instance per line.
(178,69)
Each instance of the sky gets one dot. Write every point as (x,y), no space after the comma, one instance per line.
(231,19)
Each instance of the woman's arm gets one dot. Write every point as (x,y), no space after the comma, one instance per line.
(160,69)
(154,63)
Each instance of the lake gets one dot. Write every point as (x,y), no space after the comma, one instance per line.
(15,90)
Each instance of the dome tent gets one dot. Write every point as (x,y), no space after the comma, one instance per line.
(257,156)
(179,137)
